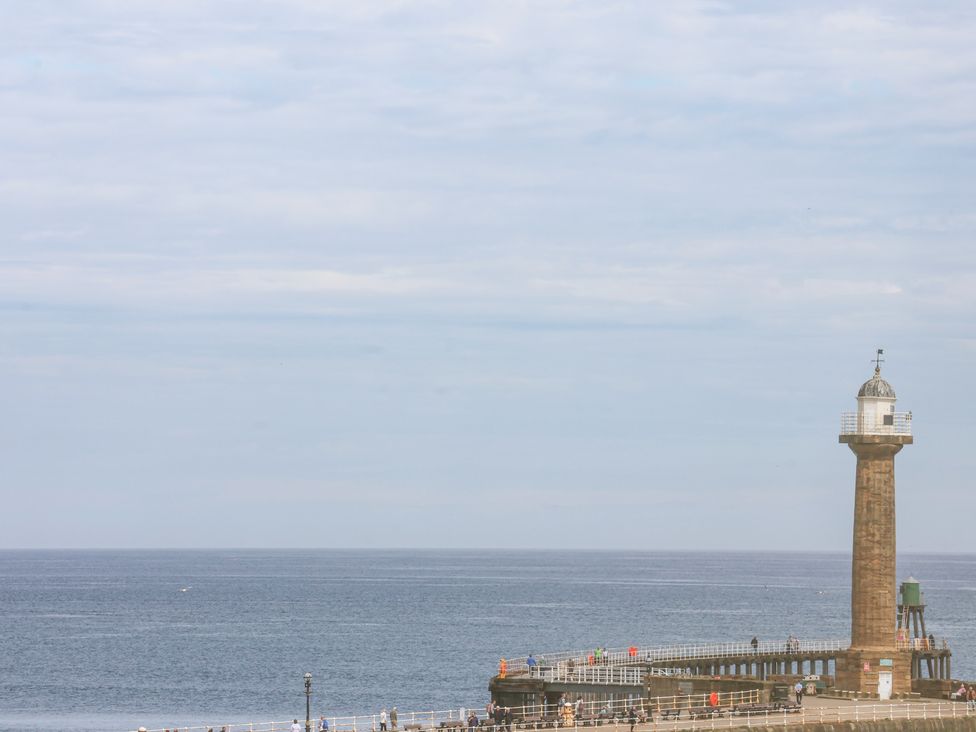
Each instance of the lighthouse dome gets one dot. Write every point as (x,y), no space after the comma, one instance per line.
(876,387)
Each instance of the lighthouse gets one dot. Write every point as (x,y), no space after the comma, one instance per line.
(875,433)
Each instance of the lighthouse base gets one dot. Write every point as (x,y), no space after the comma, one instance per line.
(875,673)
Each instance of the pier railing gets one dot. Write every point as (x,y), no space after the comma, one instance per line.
(610,675)
(620,675)
(922,644)
(643,654)
(740,709)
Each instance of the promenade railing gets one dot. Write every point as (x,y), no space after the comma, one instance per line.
(551,716)
(738,709)
(853,712)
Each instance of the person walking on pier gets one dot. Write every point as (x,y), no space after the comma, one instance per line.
(472,722)
(323,724)
(383,721)
(295,726)
(632,718)
(755,644)
(798,691)
(393,718)
(499,716)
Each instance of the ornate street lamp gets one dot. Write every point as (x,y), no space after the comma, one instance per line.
(308,702)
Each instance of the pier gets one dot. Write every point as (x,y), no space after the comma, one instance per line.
(762,661)
(640,673)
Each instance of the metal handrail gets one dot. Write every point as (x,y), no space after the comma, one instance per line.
(734,709)
(921,644)
(440,720)
(855,423)
(643,654)
(621,675)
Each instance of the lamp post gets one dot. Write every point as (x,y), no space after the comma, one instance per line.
(308,702)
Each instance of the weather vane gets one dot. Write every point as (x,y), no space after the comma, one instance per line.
(878,360)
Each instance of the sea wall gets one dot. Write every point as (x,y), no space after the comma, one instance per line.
(934,688)
(694,685)
(947,724)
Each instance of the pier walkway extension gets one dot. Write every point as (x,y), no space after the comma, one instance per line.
(762,660)
(765,659)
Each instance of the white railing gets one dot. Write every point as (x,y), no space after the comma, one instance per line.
(737,709)
(729,650)
(571,660)
(622,675)
(922,644)
(853,712)
(585,713)
(665,671)
(855,423)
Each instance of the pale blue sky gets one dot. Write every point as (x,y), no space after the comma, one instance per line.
(550,274)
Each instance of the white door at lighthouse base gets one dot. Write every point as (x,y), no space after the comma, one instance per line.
(884,685)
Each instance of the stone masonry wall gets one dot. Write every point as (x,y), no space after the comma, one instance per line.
(956,724)
(873,598)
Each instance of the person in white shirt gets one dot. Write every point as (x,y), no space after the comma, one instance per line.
(383,721)
(296,727)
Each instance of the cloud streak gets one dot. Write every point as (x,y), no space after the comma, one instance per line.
(585,255)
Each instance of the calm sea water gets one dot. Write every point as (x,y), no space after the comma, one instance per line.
(107,641)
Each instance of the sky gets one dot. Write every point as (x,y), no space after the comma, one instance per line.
(582,275)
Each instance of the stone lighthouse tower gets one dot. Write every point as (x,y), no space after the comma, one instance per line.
(875,664)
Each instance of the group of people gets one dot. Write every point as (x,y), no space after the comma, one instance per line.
(792,644)
(501,716)
(968,695)
(388,722)
(385,718)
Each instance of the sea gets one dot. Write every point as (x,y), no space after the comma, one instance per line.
(111,640)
